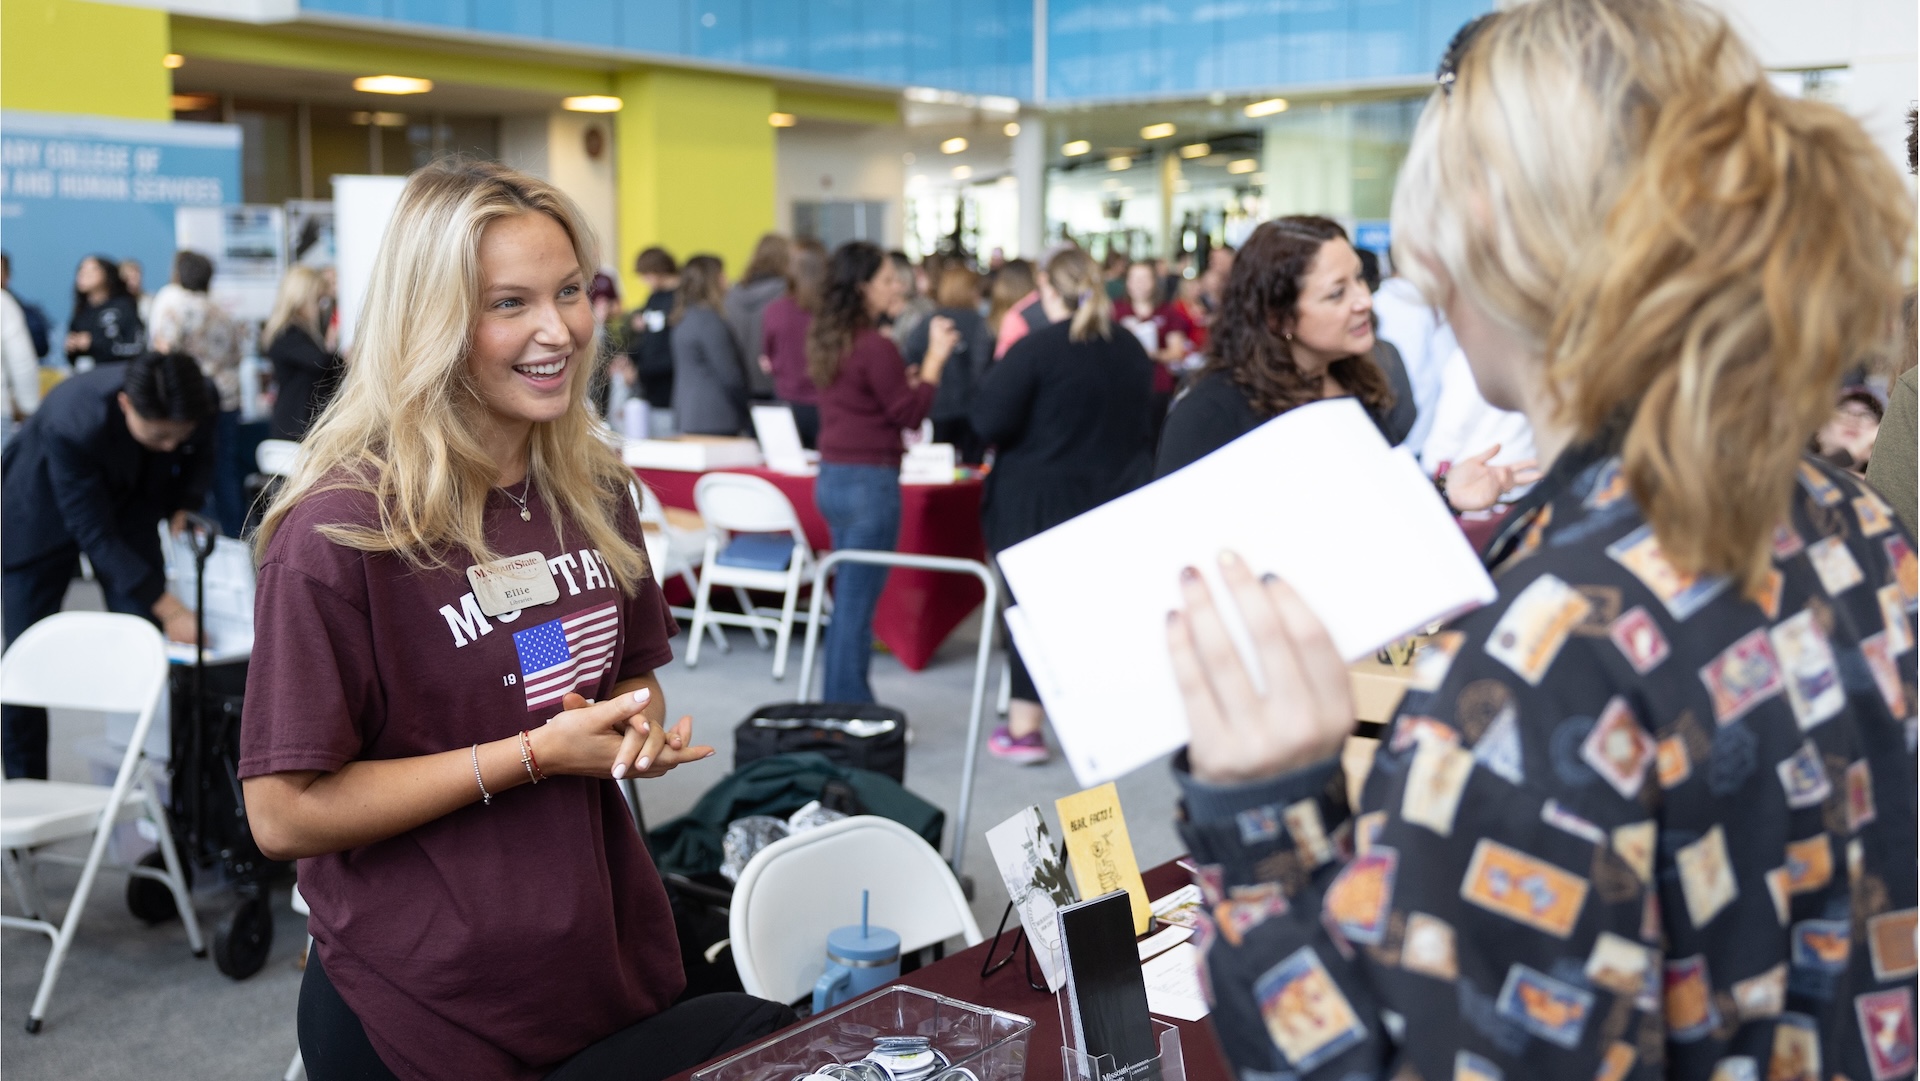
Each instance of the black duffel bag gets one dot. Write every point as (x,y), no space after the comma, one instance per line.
(858,734)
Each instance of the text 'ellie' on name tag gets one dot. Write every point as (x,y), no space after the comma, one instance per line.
(513,583)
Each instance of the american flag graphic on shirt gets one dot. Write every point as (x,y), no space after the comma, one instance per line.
(565,654)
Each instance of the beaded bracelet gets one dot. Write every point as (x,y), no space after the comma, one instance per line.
(534,773)
(486,797)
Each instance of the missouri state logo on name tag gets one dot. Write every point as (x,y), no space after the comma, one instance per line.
(510,584)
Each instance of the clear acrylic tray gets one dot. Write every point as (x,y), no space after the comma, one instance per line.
(991,1044)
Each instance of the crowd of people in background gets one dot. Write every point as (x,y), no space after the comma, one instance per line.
(1071,380)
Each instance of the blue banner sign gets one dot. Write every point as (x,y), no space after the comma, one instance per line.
(73,186)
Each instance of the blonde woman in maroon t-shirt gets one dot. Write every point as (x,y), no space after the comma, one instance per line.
(457,632)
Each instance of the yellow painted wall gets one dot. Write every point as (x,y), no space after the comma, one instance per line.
(67,56)
(696,166)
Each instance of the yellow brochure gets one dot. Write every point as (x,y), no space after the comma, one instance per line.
(1099,850)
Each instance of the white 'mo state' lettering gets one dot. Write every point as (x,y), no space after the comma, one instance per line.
(563,563)
(468,623)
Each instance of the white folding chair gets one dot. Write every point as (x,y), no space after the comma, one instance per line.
(740,503)
(673,551)
(104,663)
(797,889)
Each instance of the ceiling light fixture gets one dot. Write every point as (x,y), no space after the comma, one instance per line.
(780,120)
(1012,129)
(1157,131)
(172,60)
(1195,150)
(1076,148)
(392,84)
(1119,163)
(591,103)
(1266,108)
(1244,165)
(953,146)
(962,172)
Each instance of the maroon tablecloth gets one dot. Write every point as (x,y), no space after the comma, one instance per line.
(959,977)
(919,608)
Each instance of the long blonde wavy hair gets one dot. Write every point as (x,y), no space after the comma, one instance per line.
(403,426)
(1695,256)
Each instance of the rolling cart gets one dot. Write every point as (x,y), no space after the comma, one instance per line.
(207,811)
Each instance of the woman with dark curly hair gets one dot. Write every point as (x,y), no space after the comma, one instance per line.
(1295,326)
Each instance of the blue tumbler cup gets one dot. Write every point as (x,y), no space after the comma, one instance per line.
(859,959)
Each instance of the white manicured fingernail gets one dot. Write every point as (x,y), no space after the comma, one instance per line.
(644,762)
(642,696)
(619,770)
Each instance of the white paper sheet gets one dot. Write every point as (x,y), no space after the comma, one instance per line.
(1315,496)
(1167,938)
(1173,984)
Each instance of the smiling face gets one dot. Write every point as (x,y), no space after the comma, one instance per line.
(1334,316)
(533,336)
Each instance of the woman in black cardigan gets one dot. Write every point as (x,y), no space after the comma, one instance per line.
(306,370)
(1295,326)
(1070,409)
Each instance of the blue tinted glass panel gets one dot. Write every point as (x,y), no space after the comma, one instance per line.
(436,12)
(589,22)
(376,9)
(1385,38)
(776,33)
(884,40)
(510,17)
(833,36)
(1314,41)
(1444,18)
(719,29)
(1248,51)
(655,26)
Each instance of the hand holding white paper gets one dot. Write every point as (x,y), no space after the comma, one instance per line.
(1315,496)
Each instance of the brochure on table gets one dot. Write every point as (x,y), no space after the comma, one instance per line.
(1314,495)
(1037,884)
(779,438)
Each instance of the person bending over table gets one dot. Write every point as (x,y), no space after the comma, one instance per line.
(1651,813)
(1070,409)
(110,453)
(867,395)
(436,750)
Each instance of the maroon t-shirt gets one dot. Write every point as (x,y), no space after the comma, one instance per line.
(1167,320)
(499,940)
(870,401)
(783,341)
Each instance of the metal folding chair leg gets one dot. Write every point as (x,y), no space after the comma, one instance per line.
(26,884)
(976,713)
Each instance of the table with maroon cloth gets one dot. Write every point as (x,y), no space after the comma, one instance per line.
(958,977)
(919,608)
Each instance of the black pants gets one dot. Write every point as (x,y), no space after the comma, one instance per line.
(30,594)
(335,1047)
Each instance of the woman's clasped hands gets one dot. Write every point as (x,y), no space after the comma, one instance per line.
(1238,733)
(614,738)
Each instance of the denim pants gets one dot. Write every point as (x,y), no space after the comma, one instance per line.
(861,504)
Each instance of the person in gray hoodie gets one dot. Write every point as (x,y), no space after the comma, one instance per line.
(709,379)
(765,279)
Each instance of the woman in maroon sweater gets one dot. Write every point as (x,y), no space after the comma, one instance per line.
(867,395)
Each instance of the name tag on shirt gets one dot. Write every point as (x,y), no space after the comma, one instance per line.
(513,583)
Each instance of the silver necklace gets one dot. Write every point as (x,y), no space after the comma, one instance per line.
(521,499)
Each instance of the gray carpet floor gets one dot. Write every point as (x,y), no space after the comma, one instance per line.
(133,1002)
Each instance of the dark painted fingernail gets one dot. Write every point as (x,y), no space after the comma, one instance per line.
(1188,574)
(1269,578)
